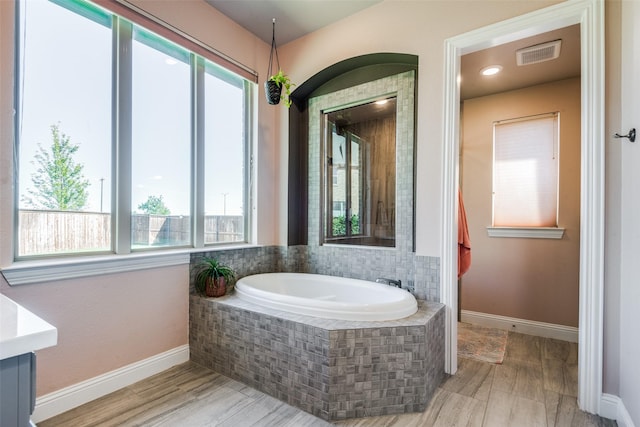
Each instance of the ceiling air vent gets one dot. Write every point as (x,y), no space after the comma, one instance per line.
(538,53)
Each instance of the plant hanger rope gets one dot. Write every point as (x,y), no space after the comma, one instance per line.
(278,81)
(273,48)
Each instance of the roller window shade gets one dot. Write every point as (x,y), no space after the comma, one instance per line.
(525,174)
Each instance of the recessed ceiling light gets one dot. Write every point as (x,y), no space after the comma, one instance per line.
(382,101)
(491,70)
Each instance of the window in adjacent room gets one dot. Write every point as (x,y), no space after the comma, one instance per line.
(525,172)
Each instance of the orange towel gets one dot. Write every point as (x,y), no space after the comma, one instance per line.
(464,243)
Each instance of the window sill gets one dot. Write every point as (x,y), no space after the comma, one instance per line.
(527,232)
(39,271)
(27,272)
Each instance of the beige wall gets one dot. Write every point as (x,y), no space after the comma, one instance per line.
(106,322)
(532,279)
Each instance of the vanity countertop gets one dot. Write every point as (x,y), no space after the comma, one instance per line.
(21,331)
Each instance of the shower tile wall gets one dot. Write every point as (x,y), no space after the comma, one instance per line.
(420,275)
(403,86)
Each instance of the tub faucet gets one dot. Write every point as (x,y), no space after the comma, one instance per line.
(390,282)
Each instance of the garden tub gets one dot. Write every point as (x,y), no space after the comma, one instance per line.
(327,297)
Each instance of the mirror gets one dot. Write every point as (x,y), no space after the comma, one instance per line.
(360,174)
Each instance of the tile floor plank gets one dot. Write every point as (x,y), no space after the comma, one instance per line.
(473,379)
(569,415)
(551,403)
(535,386)
(507,409)
(525,348)
(556,349)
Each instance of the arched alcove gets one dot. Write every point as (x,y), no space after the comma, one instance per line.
(347,73)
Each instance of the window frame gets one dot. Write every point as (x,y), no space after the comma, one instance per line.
(121,257)
(349,139)
(529,232)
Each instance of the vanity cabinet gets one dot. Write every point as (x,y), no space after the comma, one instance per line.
(21,334)
(17,389)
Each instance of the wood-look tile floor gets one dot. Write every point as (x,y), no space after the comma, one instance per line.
(535,386)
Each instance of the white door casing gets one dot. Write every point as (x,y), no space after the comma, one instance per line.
(590,15)
(629,313)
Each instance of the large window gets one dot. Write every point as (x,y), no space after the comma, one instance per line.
(112,142)
(224,130)
(64,129)
(525,174)
(160,142)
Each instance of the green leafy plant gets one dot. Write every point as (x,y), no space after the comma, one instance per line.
(59,182)
(207,274)
(340,225)
(283,81)
(154,206)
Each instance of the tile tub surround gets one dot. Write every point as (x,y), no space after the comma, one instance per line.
(332,369)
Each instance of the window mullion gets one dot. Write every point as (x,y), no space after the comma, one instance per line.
(122,130)
(347,173)
(248,159)
(197,143)
(17,96)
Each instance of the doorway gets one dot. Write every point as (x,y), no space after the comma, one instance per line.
(590,15)
(520,181)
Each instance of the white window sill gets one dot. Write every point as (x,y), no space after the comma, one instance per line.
(527,232)
(39,271)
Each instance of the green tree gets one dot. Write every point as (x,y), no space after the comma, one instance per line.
(59,183)
(340,225)
(154,206)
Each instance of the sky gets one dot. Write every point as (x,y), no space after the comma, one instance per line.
(67,81)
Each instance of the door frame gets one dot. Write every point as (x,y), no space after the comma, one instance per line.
(590,15)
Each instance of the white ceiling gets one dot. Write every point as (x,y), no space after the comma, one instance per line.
(294,18)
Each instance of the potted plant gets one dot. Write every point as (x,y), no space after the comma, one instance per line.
(273,88)
(211,277)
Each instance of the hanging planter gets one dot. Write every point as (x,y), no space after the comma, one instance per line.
(272,90)
(276,82)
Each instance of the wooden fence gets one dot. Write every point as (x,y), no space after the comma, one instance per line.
(46,232)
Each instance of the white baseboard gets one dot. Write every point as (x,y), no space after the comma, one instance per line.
(529,327)
(612,407)
(78,394)
(609,406)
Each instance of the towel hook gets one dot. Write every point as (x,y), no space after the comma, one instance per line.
(631,135)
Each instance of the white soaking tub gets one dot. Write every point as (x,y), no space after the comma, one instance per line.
(327,297)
